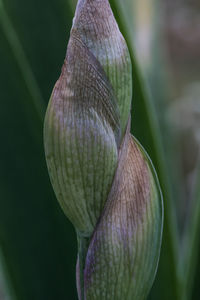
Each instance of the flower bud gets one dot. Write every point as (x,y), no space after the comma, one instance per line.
(102,177)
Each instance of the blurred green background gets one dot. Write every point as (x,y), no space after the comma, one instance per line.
(37,242)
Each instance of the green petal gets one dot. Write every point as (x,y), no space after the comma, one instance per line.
(94,22)
(81,136)
(123,254)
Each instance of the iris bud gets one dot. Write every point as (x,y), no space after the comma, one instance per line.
(102,177)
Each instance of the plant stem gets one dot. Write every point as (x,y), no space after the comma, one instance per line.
(83,244)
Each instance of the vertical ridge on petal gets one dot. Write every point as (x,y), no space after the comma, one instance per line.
(130,231)
(102,177)
(82,134)
(96,27)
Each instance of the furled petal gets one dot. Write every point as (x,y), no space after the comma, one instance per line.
(81,135)
(87,113)
(124,250)
(92,170)
(95,24)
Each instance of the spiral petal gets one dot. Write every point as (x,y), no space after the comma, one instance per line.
(81,135)
(95,24)
(123,254)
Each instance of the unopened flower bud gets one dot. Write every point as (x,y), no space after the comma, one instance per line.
(102,177)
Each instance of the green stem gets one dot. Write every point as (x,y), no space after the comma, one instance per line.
(83,244)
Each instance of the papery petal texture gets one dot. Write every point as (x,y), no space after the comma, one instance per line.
(87,114)
(81,135)
(123,254)
(95,24)
(102,177)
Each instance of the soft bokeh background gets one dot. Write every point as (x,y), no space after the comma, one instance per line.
(37,242)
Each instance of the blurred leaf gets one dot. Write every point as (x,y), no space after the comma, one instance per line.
(6,290)
(37,241)
(22,61)
(189,261)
